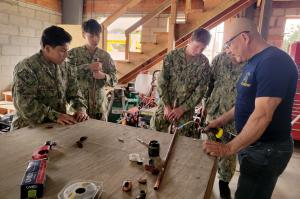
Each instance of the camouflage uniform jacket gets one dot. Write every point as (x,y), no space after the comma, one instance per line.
(92,89)
(183,81)
(221,91)
(41,91)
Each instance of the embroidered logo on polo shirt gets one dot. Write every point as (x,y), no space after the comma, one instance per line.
(246,79)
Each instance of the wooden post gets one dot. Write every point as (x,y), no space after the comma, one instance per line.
(104,38)
(109,20)
(127,46)
(264,17)
(188,6)
(172,23)
(145,19)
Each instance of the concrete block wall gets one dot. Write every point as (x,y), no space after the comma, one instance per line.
(21,26)
(277,24)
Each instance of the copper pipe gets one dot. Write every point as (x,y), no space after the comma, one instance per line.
(164,166)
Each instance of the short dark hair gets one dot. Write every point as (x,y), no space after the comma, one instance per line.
(91,26)
(55,36)
(201,35)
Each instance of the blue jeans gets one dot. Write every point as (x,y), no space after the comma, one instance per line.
(260,166)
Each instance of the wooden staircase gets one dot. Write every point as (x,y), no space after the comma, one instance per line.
(153,53)
(7,105)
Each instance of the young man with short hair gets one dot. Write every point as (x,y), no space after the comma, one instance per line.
(182,84)
(95,69)
(43,84)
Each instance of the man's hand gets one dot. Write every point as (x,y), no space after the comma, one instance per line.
(176,113)
(214,124)
(80,116)
(66,119)
(216,149)
(167,111)
(95,66)
(99,75)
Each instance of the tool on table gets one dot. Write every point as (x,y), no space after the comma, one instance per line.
(135,157)
(142,195)
(155,162)
(127,186)
(142,180)
(142,142)
(33,182)
(42,152)
(79,143)
(218,132)
(164,166)
(81,189)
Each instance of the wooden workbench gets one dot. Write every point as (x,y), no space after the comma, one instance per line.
(104,158)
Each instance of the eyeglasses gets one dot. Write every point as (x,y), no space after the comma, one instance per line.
(229,42)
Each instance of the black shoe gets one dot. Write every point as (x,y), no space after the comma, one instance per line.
(224,190)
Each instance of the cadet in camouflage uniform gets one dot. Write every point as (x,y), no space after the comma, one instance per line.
(95,69)
(220,97)
(43,84)
(183,81)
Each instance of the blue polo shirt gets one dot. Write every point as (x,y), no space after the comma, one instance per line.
(270,73)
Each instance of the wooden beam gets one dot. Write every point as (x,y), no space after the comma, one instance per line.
(148,17)
(264,18)
(109,20)
(286,4)
(258,3)
(104,38)
(188,6)
(172,23)
(120,11)
(145,19)
(127,46)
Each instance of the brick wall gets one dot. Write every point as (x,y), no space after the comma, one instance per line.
(277,24)
(21,25)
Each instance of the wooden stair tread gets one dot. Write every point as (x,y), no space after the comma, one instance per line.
(7,95)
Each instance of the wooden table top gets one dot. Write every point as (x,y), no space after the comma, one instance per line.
(103,158)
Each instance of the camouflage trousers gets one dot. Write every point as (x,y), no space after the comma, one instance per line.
(226,164)
(158,123)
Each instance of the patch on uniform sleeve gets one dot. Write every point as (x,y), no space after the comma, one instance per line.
(26,77)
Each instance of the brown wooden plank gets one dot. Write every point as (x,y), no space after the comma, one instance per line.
(145,19)
(188,6)
(104,158)
(172,23)
(264,17)
(286,4)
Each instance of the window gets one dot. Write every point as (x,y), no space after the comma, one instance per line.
(216,43)
(291,32)
(116,40)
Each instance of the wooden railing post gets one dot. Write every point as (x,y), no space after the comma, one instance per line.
(172,23)
(109,20)
(104,38)
(145,19)
(188,6)
(127,46)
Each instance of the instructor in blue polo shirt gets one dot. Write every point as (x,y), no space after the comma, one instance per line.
(262,111)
